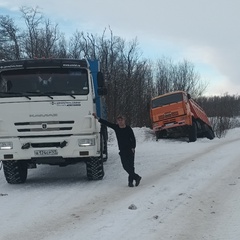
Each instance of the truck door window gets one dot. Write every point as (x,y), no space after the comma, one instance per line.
(185,98)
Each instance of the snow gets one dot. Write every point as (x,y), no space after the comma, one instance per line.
(188,191)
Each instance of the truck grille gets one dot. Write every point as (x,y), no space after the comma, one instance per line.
(170,120)
(45,145)
(167,115)
(46,126)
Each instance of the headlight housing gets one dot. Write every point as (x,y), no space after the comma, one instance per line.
(86,142)
(6,145)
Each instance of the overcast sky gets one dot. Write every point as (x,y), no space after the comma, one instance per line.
(204,32)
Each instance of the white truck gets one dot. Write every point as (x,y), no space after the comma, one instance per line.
(46,108)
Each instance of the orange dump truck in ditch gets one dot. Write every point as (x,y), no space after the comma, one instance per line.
(175,114)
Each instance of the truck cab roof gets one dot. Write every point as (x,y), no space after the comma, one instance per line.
(43,63)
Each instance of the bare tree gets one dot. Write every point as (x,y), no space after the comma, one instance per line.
(61,48)
(173,77)
(33,18)
(223,112)
(76,49)
(41,37)
(110,55)
(129,77)
(48,37)
(9,39)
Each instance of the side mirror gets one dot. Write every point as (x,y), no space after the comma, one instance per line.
(189,96)
(100,80)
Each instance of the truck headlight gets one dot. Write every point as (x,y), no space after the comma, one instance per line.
(86,142)
(6,145)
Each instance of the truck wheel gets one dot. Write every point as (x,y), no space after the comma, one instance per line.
(161,134)
(209,133)
(193,132)
(95,168)
(15,171)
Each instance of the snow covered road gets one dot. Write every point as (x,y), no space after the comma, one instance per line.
(188,191)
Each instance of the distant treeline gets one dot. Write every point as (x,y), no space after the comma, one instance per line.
(131,80)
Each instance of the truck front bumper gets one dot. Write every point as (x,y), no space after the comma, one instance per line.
(77,146)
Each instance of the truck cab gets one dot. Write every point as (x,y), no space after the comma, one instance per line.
(176,114)
(47,107)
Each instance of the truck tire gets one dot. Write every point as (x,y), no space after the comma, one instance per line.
(209,132)
(15,171)
(95,168)
(193,132)
(161,134)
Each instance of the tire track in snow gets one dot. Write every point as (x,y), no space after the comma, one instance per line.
(209,213)
(86,213)
(176,166)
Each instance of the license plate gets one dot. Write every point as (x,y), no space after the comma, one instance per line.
(169,124)
(45,152)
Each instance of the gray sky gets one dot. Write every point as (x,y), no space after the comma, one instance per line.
(204,32)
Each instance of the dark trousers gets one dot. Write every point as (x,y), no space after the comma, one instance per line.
(127,159)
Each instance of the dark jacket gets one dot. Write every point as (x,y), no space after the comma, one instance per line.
(125,136)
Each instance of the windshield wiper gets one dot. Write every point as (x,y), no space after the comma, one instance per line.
(41,94)
(61,93)
(17,94)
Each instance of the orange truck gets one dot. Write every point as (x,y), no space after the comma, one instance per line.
(176,114)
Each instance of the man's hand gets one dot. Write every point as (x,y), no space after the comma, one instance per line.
(95,115)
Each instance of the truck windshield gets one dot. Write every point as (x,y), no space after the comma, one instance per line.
(44,81)
(161,101)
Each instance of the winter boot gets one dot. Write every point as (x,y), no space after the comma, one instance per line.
(138,181)
(130,184)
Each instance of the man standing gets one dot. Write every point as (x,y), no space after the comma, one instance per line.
(127,144)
